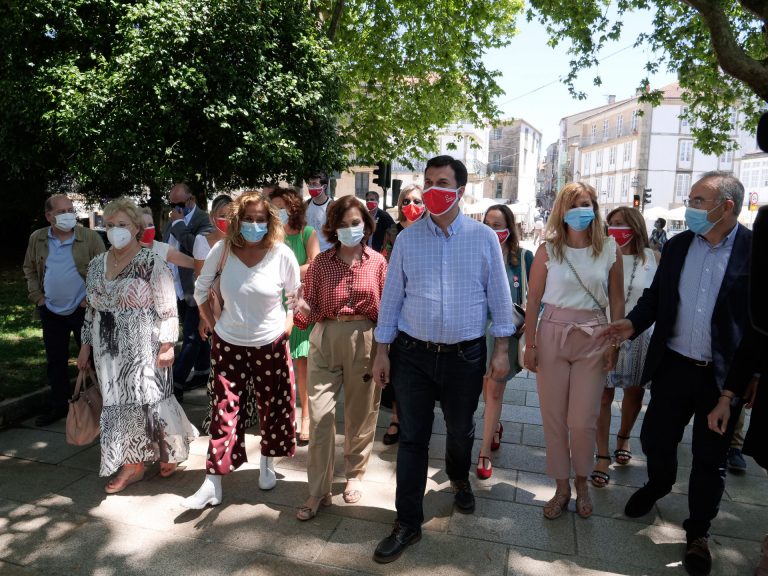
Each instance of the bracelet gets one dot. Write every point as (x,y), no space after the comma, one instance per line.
(727,396)
(531,346)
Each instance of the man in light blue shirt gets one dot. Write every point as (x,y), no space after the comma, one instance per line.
(55,267)
(445,273)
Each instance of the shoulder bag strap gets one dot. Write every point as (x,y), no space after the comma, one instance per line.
(578,278)
(523,278)
(223,259)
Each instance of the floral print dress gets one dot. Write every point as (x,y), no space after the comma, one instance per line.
(126,321)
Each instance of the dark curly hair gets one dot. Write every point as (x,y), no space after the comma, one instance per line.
(335,215)
(294,205)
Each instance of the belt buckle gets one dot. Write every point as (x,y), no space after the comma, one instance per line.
(701,363)
(438,348)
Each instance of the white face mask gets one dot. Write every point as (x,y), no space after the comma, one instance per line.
(351,236)
(119,237)
(65,222)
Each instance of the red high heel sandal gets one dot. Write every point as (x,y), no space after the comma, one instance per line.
(496,444)
(482,472)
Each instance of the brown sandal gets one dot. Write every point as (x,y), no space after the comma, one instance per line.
(584,504)
(128,474)
(305,512)
(557,505)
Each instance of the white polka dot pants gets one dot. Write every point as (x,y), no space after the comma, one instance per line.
(239,371)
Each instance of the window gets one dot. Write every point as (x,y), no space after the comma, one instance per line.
(682,185)
(619,125)
(496,162)
(635,114)
(605,128)
(685,152)
(624,186)
(361,184)
(727,157)
(612,156)
(499,189)
(598,186)
(628,151)
(496,134)
(683,121)
(594,132)
(587,163)
(599,159)
(611,186)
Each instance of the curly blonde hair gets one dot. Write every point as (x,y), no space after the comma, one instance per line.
(275,232)
(557,229)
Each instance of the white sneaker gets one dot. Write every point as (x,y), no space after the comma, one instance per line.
(267,477)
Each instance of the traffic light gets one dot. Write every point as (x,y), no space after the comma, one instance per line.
(646,196)
(636,201)
(382,174)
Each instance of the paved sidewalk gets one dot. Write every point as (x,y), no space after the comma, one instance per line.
(56,519)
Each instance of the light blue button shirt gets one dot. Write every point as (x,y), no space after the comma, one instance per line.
(700,281)
(63,286)
(439,288)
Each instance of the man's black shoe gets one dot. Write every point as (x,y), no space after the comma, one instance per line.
(698,560)
(641,502)
(197,381)
(463,497)
(50,417)
(392,547)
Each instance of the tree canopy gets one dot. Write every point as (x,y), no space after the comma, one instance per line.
(719,49)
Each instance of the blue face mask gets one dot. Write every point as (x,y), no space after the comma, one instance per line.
(253,231)
(351,236)
(283,216)
(579,218)
(696,220)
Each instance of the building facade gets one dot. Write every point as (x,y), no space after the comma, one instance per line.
(514,151)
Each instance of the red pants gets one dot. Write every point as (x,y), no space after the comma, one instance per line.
(239,371)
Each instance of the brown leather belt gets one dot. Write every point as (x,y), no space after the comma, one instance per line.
(348,318)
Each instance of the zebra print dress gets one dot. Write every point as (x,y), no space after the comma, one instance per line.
(126,321)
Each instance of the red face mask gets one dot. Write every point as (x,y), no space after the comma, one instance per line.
(371,205)
(413,211)
(222,224)
(148,236)
(440,200)
(315,192)
(502,235)
(622,234)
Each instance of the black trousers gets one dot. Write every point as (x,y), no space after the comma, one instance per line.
(681,390)
(56,337)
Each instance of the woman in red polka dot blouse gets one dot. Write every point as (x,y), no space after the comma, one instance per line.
(341,294)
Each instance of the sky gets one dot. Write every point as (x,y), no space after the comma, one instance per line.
(531,71)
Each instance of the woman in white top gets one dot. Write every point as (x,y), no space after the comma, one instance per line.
(576,274)
(161,249)
(249,345)
(627,228)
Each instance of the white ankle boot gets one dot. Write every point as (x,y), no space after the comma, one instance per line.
(267,477)
(208,493)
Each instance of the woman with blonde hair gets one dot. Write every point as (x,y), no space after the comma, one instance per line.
(577,273)
(410,209)
(627,227)
(131,326)
(249,343)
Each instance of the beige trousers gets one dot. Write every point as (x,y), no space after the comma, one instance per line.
(340,358)
(570,380)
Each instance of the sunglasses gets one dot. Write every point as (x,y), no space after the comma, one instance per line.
(408,201)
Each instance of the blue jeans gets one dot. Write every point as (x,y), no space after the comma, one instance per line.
(421,376)
(194,352)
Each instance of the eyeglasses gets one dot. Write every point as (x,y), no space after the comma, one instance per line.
(698,202)
(416,201)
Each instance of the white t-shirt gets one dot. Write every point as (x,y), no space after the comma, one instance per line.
(201,247)
(253,313)
(161,249)
(643,277)
(316,216)
(563,289)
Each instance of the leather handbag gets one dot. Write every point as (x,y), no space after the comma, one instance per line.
(83,418)
(215,298)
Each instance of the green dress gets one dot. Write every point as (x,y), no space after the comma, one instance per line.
(299,339)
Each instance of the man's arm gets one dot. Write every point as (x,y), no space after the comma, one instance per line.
(389,313)
(34,283)
(500,306)
(185,235)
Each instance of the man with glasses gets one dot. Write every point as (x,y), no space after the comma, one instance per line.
(186,221)
(698,302)
(55,267)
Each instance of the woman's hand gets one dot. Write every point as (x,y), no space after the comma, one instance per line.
(165,355)
(84,356)
(295,301)
(204,328)
(610,356)
(530,361)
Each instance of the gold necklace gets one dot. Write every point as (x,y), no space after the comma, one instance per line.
(115,259)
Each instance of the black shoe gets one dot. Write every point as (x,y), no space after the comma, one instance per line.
(698,560)
(50,417)
(641,502)
(463,497)
(392,547)
(390,439)
(197,381)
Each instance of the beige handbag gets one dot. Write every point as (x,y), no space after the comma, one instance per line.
(83,418)
(215,299)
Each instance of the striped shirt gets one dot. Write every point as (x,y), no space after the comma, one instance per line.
(439,288)
(700,280)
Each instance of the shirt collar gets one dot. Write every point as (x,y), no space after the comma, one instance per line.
(367,251)
(188,217)
(725,241)
(69,240)
(453,228)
